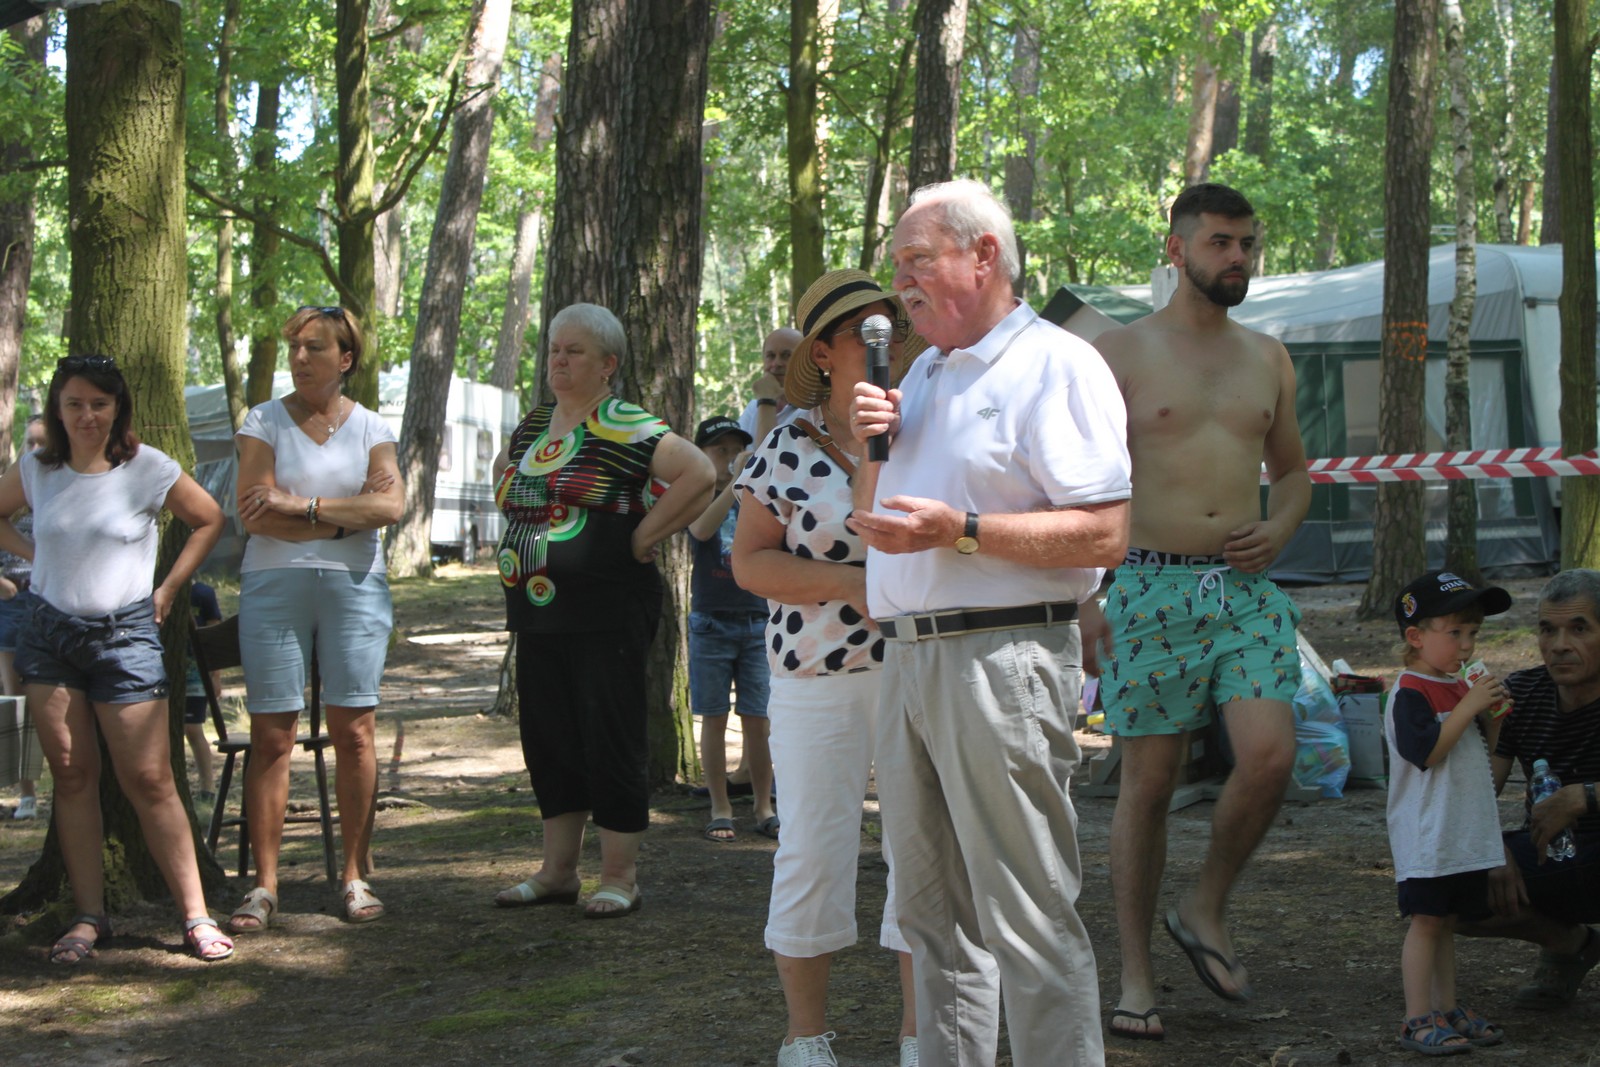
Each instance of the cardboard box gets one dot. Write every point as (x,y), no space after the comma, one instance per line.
(1363,721)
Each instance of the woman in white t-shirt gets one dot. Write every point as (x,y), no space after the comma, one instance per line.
(792,546)
(91,652)
(318,479)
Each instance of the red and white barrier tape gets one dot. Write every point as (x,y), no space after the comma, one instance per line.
(1451,466)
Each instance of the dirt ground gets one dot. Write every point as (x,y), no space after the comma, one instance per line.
(446,978)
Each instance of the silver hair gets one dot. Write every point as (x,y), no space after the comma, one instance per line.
(601,326)
(970,210)
(1570,585)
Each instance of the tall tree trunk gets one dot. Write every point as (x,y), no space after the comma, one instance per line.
(433,347)
(1398,552)
(16,241)
(1461,532)
(1550,214)
(880,168)
(226,132)
(579,251)
(1202,106)
(125,196)
(805,154)
(1020,173)
(1501,148)
(658,277)
(941,42)
(1225,132)
(389,234)
(530,224)
(353,193)
(519,287)
(1525,212)
(1580,497)
(1258,125)
(264,252)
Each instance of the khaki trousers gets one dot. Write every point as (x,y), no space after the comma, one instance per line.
(975,751)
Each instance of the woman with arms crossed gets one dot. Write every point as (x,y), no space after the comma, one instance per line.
(318,479)
(91,654)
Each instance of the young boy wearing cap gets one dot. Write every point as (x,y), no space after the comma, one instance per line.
(727,641)
(1444,826)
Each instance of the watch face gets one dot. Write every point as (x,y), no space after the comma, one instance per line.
(966,545)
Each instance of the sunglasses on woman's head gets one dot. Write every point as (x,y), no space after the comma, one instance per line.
(336,312)
(73,363)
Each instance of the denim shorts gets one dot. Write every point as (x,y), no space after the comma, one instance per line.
(283,611)
(14,614)
(728,647)
(114,659)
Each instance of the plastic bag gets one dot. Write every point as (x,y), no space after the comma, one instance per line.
(1322,746)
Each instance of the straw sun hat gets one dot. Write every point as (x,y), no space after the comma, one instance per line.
(830,298)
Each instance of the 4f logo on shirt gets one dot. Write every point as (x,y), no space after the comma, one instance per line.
(988,413)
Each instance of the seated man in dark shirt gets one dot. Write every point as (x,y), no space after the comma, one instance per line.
(1556,717)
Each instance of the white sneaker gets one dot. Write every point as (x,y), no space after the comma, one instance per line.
(808,1052)
(27,808)
(908,1052)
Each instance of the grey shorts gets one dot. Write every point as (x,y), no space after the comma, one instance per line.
(286,611)
(114,659)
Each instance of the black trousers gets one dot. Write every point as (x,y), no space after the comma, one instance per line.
(582,709)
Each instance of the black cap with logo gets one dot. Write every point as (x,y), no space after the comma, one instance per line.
(1440,593)
(715,427)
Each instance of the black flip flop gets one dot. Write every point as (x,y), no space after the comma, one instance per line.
(1136,1035)
(769,827)
(709,833)
(1198,952)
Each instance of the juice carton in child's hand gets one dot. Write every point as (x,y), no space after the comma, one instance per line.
(1470,673)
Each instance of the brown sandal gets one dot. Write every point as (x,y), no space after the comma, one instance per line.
(71,949)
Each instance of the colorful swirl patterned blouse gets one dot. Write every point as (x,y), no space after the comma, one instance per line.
(571,506)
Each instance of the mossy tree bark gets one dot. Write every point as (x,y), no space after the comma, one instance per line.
(1580,497)
(125,173)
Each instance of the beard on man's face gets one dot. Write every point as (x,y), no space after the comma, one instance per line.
(1227,289)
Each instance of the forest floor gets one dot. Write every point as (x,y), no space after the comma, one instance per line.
(446,978)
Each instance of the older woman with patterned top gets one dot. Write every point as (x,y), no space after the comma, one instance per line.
(792,546)
(583,596)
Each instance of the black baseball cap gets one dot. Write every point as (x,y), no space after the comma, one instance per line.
(1439,593)
(715,427)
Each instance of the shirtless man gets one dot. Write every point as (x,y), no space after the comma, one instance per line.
(1192,622)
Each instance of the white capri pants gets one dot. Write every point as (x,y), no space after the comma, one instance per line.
(822,737)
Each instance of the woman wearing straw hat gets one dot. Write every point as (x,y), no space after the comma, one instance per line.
(792,547)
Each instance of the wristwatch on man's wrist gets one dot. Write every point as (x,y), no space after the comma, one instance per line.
(967,543)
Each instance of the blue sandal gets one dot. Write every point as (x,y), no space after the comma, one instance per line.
(1474,1027)
(1432,1036)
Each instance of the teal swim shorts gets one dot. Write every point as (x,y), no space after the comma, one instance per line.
(1191,633)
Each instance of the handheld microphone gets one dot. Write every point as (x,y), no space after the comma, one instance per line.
(875,331)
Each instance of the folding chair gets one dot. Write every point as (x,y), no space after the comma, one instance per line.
(216,648)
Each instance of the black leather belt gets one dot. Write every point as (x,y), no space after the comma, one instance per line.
(950,623)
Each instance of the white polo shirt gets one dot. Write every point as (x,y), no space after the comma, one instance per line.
(1027,419)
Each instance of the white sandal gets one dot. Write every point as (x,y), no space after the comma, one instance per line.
(361,905)
(259,907)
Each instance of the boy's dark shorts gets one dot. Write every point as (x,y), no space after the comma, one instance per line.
(195,710)
(1568,891)
(1464,895)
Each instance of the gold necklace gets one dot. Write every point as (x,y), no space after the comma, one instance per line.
(330,428)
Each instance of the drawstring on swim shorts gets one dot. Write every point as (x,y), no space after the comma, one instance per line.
(1214,577)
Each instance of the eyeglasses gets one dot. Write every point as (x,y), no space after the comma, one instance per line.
(899,331)
(76,363)
(336,312)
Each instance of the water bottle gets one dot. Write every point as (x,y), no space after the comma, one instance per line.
(1545,784)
